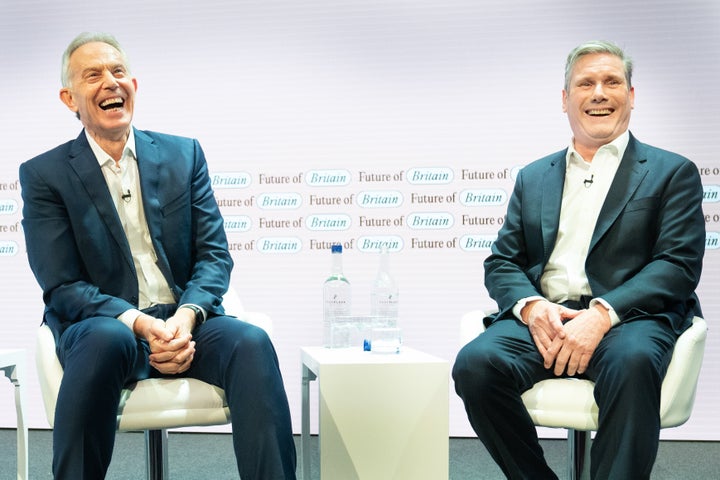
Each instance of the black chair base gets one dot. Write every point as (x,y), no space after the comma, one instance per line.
(578,454)
(156,445)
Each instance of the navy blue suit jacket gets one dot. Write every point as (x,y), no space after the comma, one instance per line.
(647,248)
(78,250)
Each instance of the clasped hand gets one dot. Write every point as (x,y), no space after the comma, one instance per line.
(171,346)
(566,338)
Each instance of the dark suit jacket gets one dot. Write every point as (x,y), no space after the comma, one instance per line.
(647,248)
(76,245)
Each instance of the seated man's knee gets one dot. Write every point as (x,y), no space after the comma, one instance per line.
(243,336)
(635,363)
(473,367)
(97,346)
(115,334)
(631,360)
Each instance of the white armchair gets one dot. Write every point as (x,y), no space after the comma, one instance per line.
(153,405)
(569,403)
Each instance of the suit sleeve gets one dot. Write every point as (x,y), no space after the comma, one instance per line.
(52,247)
(513,269)
(210,261)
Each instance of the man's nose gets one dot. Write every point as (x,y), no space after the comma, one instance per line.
(109,80)
(599,91)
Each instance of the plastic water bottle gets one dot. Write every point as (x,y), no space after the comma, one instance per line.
(337,294)
(384,295)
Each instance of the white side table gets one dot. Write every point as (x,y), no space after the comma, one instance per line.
(12,362)
(382,416)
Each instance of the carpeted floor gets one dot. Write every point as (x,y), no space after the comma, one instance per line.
(195,456)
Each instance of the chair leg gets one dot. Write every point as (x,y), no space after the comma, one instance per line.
(578,454)
(156,454)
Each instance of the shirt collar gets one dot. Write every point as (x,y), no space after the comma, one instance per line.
(103,157)
(617,148)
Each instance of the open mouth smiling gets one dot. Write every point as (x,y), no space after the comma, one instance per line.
(599,112)
(112,103)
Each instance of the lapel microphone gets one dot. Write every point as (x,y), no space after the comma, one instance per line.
(127,196)
(587,182)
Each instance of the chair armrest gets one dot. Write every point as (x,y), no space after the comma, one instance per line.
(233,306)
(680,383)
(471,325)
(258,319)
(50,372)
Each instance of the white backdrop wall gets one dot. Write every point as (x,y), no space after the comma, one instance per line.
(413,115)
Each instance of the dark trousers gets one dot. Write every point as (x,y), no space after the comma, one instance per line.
(628,367)
(101,355)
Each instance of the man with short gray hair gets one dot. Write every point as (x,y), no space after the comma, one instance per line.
(127,242)
(594,272)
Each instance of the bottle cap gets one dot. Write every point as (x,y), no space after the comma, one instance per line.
(336,248)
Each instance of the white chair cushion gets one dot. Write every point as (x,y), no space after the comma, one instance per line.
(562,403)
(159,403)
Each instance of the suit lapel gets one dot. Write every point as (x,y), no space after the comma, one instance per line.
(148,159)
(150,166)
(83,162)
(552,186)
(631,171)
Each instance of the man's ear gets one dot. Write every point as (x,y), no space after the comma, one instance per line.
(66,97)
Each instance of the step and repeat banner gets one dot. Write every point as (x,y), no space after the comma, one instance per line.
(369,123)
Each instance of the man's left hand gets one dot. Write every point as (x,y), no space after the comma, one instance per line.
(583,334)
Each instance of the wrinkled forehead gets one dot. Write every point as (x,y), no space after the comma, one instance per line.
(598,63)
(98,49)
(96,54)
